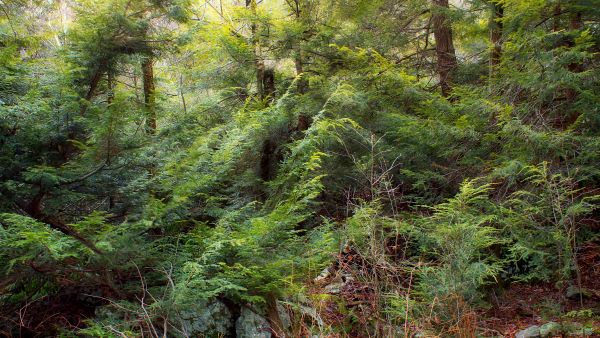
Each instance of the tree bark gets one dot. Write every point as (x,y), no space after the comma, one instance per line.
(34,209)
(298,61)
(444,45)
(496,28)
(94,81)
(182,94)
(149,94)
(109,134)
(267,172)
(556,20)
(258,61)
(302,84)
(269,83)
(273,316)
(575,23)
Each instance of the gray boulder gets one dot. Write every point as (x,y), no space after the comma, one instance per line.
(286,320)
(207,319)
(333,288)
(530,332)
(550,329)
(573,292)
(252,325)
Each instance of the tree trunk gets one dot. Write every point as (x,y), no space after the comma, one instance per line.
(34,209)
(496,27)
(273,317)
(149,94)
(301,83)
(556,19)
(299,63)
(269,83)
(109,133)
(303,120)
(444,46)
(575,23)
(182,94)
(94,80)
(258,61)
(267,172)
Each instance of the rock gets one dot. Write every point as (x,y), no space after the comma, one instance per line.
(284,315)
(313,314)
(550,329)
(207,319)
(323,275)
(574,291)
(530,332)
(334,288)
(252,325)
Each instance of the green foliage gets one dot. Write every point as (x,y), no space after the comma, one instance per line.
(544,221)
(461,232)
(24,239)
(291,135)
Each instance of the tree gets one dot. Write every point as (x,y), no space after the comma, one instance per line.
(444,45)
(149,93)
(368,168)
(496,27)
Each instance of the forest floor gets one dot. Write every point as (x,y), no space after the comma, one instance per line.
(510,309)
(524,305)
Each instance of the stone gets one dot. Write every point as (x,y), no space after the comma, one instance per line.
(550,329)
(209,319)
(530,332)
(313,314)
(284,315)
(574,291)
(323,275)
(252,325)
(334,288)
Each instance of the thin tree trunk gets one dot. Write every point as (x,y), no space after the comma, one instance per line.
(266,160)
(274,318)
(302,82)
(109,135)
(444,45)
(149,94)
(298,61)
(182,94)
(35,210)
(303,119)
(94,83)
(496,30)
(496,27)
(258,61)
(575,23)
(269,83)
(94,80)
(556,20)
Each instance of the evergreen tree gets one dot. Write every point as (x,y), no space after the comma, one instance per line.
(297,168)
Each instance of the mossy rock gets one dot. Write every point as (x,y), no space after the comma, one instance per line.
(550,329)
(530,332)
